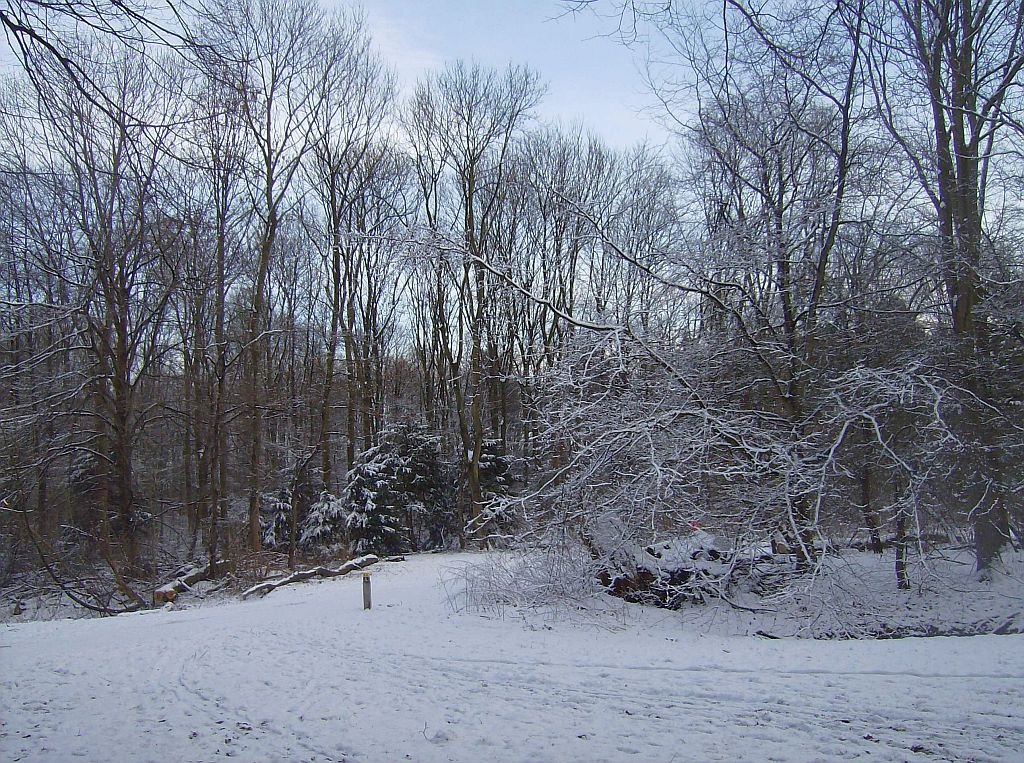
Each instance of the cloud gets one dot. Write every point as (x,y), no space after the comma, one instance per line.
(405,50)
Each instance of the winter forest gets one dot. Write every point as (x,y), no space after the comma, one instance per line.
(350,414)
(263,309)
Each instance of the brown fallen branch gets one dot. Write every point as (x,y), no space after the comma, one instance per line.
(316,572)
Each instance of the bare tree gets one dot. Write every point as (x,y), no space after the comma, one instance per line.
(210,200)
(947,79)
(101,172)
(462,124)
(270,53)
(42,35)
(346,157)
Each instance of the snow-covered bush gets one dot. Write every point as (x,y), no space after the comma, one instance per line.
(553,579)
(690,568)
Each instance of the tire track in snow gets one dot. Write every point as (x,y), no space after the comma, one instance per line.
(854,722)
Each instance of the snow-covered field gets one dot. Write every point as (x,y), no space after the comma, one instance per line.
(306,675)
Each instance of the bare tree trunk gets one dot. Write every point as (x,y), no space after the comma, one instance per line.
(351,413)
(191,508)
(902,581)
(867,510)
(254,391)
(330,361)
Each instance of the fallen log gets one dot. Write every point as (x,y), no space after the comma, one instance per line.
(316,572)
(169,591)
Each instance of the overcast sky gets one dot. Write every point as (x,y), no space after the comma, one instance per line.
(591,76)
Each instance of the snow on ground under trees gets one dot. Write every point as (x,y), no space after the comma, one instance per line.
(306,675)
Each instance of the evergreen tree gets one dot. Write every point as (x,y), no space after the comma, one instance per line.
(399,495)
(426,482)
(496,480)
(325,522)
(306,492)
(375,521)
(275,511)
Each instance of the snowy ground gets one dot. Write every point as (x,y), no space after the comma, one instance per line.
(306,675)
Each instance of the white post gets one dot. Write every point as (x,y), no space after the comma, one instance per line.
(367,603)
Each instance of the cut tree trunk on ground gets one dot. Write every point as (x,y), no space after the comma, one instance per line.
(316,572)
(169,591)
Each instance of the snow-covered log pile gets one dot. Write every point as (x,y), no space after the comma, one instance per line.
(686,569)
(316,572)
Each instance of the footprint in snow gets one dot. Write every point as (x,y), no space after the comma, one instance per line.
(440,737)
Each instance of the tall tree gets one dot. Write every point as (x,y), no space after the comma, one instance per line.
(270,53)
(108,172)
(462,124)
(345,159)
(947,78)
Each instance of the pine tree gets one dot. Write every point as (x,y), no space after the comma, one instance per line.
(400,495)
(496,482)
(305,491)
(426,483)
(374,521)
(275,510)
(325,522)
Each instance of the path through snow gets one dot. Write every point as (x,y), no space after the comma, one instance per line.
(306,675)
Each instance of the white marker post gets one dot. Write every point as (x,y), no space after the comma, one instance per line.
(367,603)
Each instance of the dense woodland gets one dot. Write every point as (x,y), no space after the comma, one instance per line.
(255,298)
